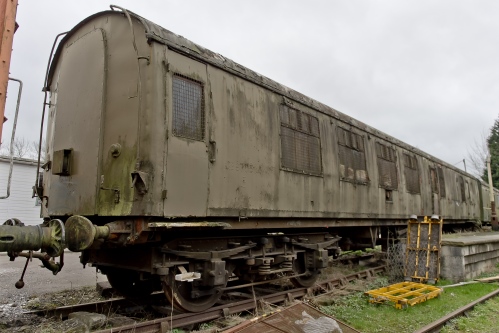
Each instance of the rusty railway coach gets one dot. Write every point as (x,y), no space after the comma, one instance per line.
(170,166)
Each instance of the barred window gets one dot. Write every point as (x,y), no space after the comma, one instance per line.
(441,181)
(352,157)
(387,166)
(300,142)
(461,188)
(468,191)
(433,180)
(437,181)
(188,108)
(411,174)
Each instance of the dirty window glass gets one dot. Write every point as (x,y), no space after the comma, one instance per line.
(387,166)
(411,174)
(433,180)
(441,181)
(352,157)
(461,188)
(300,142)
(188,108)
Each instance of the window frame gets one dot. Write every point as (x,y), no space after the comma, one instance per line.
(461,188)
(441,182)
(386,152)
(202,111)
(355,142)
(295,124)
(413,165)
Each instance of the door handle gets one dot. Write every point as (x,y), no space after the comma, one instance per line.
(212,151)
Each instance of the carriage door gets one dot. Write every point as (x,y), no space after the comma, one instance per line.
(77,126)
(435,196)
(187,157)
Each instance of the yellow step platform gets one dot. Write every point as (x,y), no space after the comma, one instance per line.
(403,294)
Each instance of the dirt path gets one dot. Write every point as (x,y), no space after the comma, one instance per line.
(40,280)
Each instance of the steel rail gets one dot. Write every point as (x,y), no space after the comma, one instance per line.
(100,306)
(164,325)
(438,324)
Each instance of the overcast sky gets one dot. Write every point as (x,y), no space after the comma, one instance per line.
(425,72)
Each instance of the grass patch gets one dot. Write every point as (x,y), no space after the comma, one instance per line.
(356,311)
(63,298)
(482,319)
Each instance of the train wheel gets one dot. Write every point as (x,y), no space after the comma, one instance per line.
(299,267)
(128,283)
(182,295)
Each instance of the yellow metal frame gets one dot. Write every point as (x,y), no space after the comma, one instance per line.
(428,249)
(403,294)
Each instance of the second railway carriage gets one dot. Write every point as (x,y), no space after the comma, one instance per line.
(169,163)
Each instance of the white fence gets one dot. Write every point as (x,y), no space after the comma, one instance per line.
(20,204)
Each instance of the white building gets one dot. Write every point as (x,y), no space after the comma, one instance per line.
(20,204)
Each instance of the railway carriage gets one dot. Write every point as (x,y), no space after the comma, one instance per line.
(172,166)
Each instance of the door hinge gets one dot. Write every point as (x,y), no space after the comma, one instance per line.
(166,65)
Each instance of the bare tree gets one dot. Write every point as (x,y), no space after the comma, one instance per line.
(20,147)
(477,156)
(23,148)
(34,150)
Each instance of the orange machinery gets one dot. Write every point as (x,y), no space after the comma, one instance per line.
(8,26)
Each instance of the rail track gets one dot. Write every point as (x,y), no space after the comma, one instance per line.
(462,311)
(101,306)
(175,319)
(163,325)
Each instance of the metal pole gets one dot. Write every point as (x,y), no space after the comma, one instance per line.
(11,152)
(493,216)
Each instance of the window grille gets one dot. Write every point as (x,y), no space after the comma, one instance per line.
(437,181)
(352,157)
(468,191)
(462,190)
(387,166)
(441,181)
(300,142)
(188,108)
(433,180)
(411,173)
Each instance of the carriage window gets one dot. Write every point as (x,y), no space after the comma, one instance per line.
(461,188)
(352,157)
(387,166)
(437,181)
(300,142)
(188,108)
(468,191)
(441,181)
(411,173)
(433,180)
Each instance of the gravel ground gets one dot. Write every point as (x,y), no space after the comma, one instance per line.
(75,285)
(38,282)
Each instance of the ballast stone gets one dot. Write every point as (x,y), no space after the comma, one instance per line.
(91,320)
(118,321)
(74,326)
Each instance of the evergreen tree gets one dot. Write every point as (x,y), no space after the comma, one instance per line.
(493,144)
